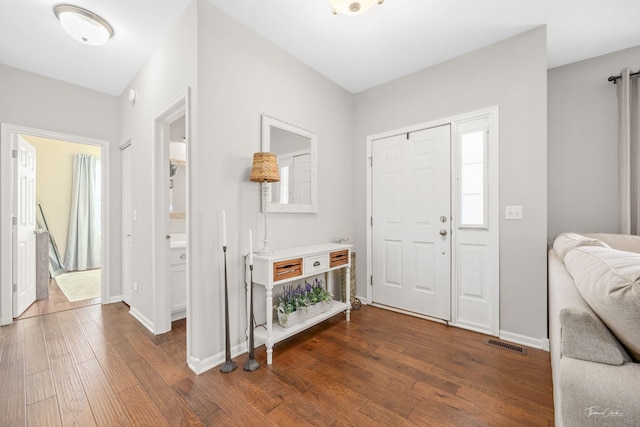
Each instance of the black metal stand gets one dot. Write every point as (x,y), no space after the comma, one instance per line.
(252,364)
(229,365)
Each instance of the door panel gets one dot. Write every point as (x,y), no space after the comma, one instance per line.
(411,192)
(24,242)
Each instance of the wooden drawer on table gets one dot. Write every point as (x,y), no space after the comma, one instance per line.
(338,258)
(287,269)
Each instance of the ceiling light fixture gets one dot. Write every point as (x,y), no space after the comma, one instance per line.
(352,7)
(83,25)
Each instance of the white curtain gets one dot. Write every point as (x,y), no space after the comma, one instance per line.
(83,239)
(628,154)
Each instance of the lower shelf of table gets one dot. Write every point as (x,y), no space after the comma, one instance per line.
(279,333)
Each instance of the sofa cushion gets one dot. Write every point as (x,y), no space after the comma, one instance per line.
(609,280)
(565,242)
(621,242)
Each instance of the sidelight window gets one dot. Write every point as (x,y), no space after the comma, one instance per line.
(472,140)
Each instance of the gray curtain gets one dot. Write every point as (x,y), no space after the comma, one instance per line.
(83,239)
(628,154)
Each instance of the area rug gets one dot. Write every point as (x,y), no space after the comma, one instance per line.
(80,285)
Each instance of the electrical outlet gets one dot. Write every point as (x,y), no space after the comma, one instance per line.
(135,286)
(513,212)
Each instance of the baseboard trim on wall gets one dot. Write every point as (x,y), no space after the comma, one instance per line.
(539,343)
(199,366)
(142,319)
(114,299)
(363,300)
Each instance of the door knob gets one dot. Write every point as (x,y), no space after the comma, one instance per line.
(443,232)
(168,236)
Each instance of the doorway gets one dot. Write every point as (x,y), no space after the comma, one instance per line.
(75,295)
(68,201)
(171,222)
(433,214)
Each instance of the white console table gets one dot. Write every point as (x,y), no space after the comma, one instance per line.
(286,265)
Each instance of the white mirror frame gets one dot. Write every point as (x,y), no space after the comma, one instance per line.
(267,123)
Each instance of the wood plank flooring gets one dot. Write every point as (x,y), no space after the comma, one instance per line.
(97,366)
(56,302)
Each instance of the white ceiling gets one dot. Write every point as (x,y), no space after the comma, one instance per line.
(357,52)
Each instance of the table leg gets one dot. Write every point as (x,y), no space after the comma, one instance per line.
(269,343)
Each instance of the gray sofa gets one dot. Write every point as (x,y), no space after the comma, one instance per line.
(594,357)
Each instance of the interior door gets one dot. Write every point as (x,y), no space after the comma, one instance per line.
(24,229)
(411,222)
(127,222)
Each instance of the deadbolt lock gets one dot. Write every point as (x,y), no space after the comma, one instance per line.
(443,219)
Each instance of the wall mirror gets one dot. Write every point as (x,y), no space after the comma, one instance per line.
(297,152)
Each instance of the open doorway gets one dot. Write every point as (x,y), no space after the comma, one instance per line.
(64,249)
(68,221)
(172,219)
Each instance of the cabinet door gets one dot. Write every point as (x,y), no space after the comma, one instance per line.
(178,272)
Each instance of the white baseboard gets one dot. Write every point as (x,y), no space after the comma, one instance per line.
(199,366)
(179,314)
(114,299)
(363,300)
(539,343)
(142,319)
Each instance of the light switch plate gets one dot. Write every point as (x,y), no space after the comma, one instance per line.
(513,212)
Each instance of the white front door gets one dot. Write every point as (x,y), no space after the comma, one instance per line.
(127,222)
(411,179)
(24,229)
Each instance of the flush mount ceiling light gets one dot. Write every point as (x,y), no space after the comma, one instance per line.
(352,7)
(83,25)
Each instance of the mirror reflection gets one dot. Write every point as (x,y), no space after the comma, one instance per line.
(296,149)
(294,161)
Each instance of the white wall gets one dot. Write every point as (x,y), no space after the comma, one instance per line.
(241,75)
(164,77)
(583,148)
(39,102)
(510,74)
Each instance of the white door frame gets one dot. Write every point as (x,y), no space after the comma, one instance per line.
(493,112)
(6,193)
(160,219)
(126,263)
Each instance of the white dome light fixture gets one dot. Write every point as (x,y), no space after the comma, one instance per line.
(83,25)
(352,7)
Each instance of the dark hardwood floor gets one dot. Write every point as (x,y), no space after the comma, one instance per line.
(96,365)
(56,302)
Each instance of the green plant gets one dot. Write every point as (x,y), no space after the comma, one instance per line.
(293,299)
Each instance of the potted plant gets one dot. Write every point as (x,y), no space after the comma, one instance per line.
(295,305)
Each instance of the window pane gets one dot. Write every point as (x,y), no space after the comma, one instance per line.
(472,147)
(472,179)
(284,185)
(473,209)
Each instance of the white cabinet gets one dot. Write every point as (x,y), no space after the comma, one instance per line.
(286,265)
(178,271)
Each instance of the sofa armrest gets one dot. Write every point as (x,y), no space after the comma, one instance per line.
(585,337)
(576,330)
(595,394)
